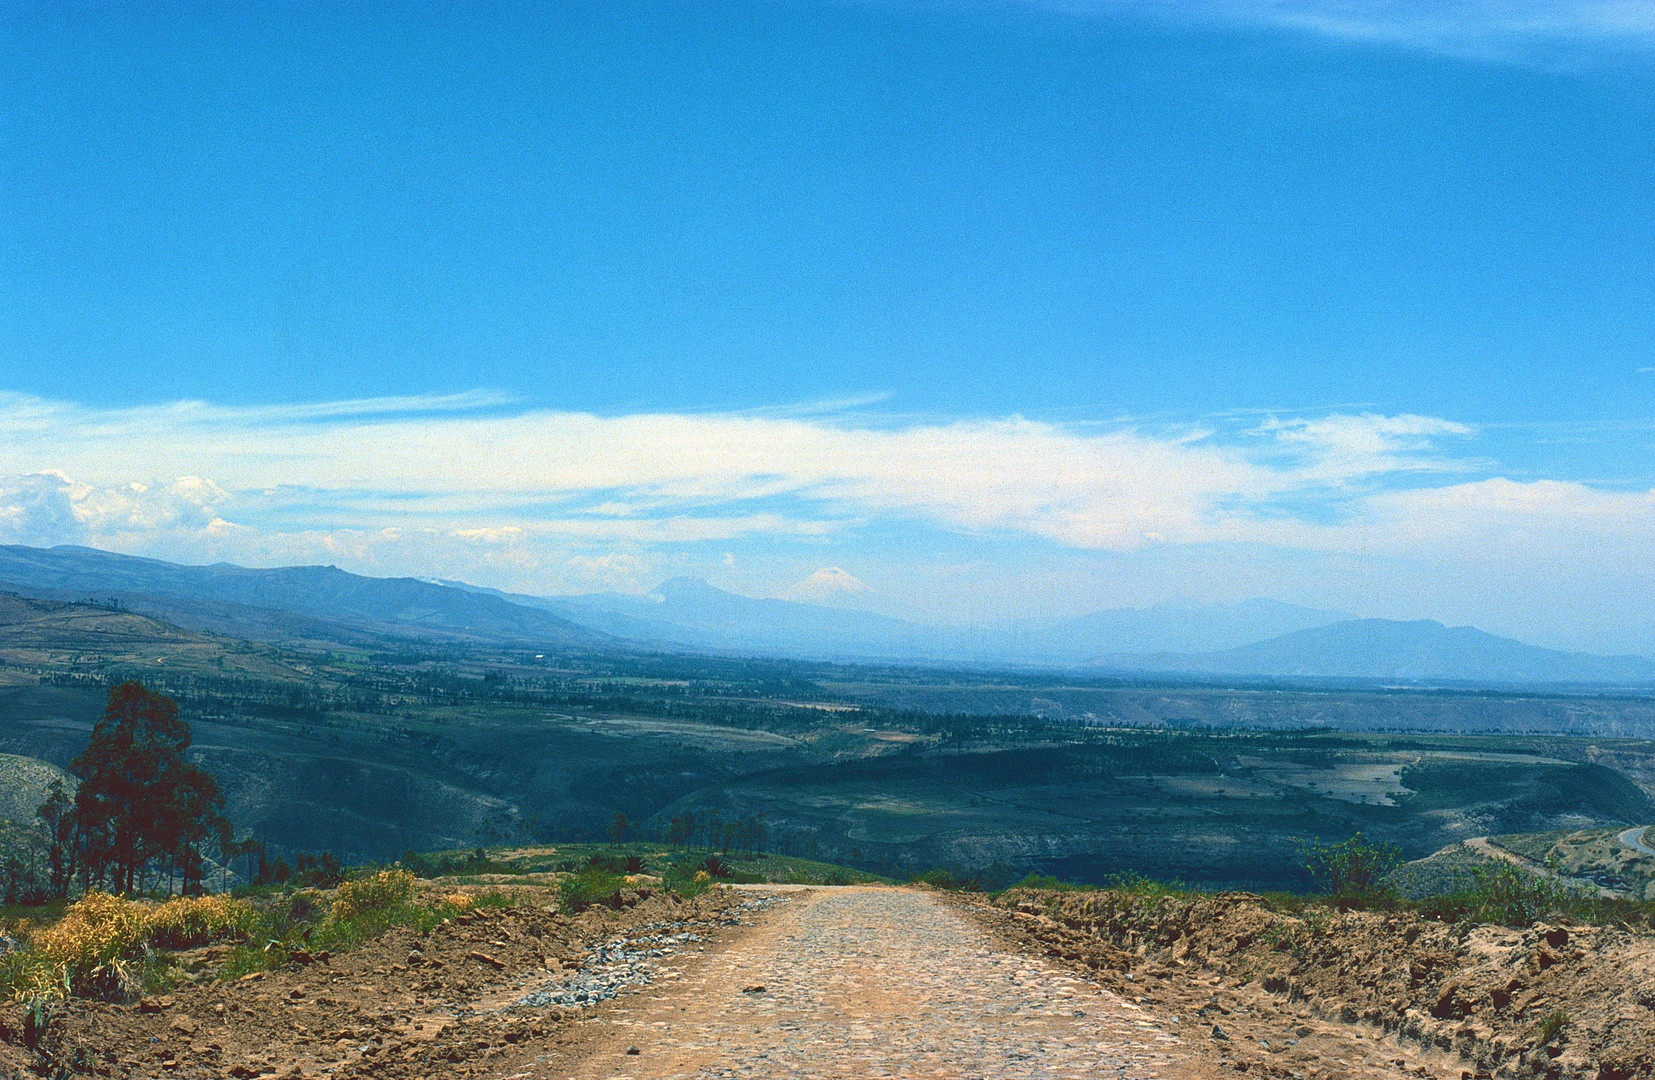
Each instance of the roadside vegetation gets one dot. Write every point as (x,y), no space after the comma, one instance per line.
(115,948)
(1356,875)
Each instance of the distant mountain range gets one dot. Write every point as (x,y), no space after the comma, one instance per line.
(291,602)
(689,613)
(1169,628)
(1417,651)
(1256,638)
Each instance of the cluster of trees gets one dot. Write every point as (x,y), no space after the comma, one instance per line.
(323,870)
(142,811)
(707,829)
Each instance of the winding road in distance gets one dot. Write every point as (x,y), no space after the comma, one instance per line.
(1634,838)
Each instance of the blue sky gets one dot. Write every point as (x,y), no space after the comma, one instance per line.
(1001,307)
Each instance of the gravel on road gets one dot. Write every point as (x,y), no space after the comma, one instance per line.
(877,982)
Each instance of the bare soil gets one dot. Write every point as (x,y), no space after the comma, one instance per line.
(1219,984)
(406,1005)
(1324,993)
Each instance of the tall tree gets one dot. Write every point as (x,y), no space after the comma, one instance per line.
(139,797)
(57,815)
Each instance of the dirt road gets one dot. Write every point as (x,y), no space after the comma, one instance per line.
(871,982)
(753,982)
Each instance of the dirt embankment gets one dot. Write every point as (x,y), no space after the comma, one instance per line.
(1552,1001)
(446,1003)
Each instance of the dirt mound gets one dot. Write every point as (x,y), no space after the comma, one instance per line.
(405,1005)
(1552,1001)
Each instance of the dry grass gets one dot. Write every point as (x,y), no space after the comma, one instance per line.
(103,945)
(188,921)
(379,892)
(106,947)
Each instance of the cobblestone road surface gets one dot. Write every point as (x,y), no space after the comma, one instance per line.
(878,983)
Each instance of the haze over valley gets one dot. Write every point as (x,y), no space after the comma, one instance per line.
(373,716)
(1258,638)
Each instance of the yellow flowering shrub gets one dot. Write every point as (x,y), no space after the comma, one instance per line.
(185,922)
(377,892)
(100,946)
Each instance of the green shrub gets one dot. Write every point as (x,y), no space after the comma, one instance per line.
(1353,872)
(1511,896)
(942,878)
(715,867)
(246,959)
(592,886)
(687,883)
(1552,1026)
(492,898)
(937,879)
(1133,883)
(362,909)
(1032,880)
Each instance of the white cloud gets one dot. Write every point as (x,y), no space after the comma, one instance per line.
(466,487)
(48,507)
(620,571)
(655,479)
(40,509)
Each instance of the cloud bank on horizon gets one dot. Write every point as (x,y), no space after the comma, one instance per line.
(544,501)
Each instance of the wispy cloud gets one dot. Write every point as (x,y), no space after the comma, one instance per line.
(537,499)
(1488,29)
(654,477)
